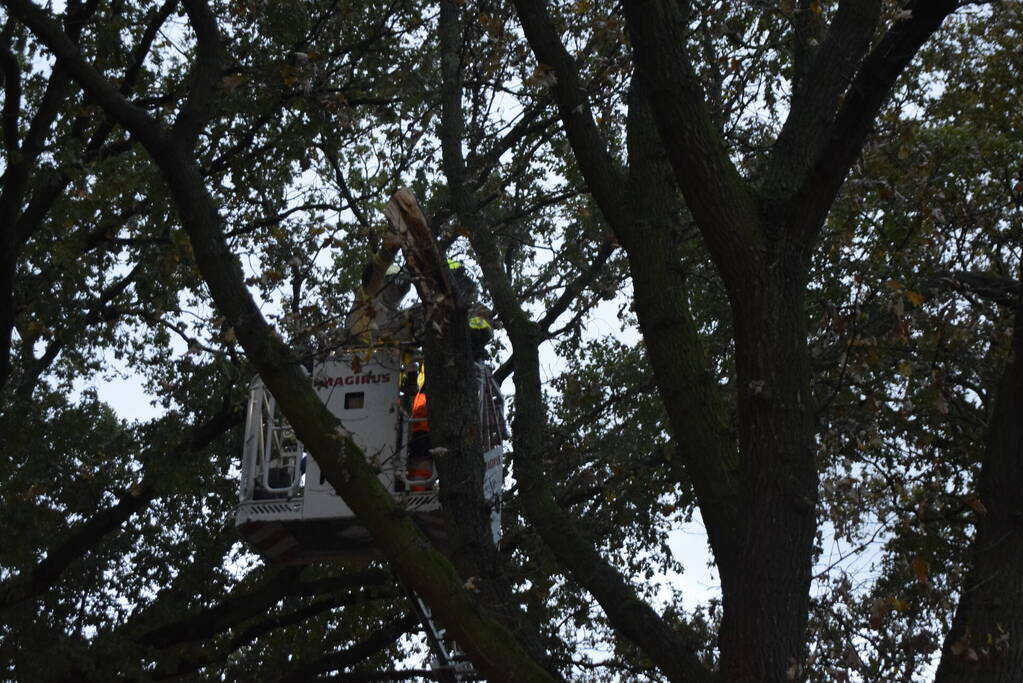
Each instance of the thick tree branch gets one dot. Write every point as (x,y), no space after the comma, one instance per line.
(717,196)
(817,95)
(714,456)
(870,88)
(711,452)
(986,638)
(806,30)
(626,611)
(454,421)
(708,450)
(1002,291)
(10,69)
(602,172)
(204,76)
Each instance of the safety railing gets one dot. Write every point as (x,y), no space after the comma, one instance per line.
(273,455)
(491,402)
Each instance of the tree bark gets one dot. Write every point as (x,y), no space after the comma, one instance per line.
(640,215)
(708,449)
(985,643)
(765,612)
(453,410)
(626,611)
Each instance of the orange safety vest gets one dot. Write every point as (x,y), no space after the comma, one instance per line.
(419,413)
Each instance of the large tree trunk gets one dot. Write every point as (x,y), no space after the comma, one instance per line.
(985,643)
(759,508)
(765,611)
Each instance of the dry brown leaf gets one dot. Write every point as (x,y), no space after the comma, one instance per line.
(922,568)
(976,505)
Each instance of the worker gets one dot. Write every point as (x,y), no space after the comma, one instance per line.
(420,466)
(420,462)
(465,288)
(480,332)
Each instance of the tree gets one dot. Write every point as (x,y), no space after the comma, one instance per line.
(705,156)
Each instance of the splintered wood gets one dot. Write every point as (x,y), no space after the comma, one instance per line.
(428,268)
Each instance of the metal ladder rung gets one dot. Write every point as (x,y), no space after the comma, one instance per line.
(450,663)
